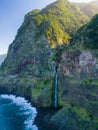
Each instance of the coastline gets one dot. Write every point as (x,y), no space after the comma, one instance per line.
(42,120)
(20,110)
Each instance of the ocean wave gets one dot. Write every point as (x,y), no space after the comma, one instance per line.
(25,109)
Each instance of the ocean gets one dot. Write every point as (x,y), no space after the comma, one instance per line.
(16,113)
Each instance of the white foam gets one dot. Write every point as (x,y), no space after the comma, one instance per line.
(25,109)
(34,127)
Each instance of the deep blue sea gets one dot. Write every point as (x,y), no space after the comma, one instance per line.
(16,113)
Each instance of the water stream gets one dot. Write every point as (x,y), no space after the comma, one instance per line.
(55,88)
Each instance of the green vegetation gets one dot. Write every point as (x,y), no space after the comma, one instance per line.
(73,117)
(87,81)
(30,52)
(41,92)
(37,90)
(87,36)
(59,21)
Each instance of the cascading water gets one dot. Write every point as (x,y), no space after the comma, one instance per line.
(55,88)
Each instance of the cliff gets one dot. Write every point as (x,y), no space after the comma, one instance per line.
(30,51)
(78,79)
(41,43)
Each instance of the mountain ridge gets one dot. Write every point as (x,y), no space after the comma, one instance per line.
(52,26)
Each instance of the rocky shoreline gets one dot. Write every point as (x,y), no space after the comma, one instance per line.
(70,116)
(44,115)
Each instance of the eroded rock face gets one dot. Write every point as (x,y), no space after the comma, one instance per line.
(78,76)
(88,63)
(86,59)
(80,64)
(29,54)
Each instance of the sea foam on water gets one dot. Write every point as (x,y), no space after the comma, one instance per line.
(25,109)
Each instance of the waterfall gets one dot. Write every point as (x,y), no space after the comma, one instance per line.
(55,88)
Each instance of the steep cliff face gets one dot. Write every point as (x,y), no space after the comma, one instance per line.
(41,30)
(30,52)
(78,72)
(81,58)
(80,64)
(78,82)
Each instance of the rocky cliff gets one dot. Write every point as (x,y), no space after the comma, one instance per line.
(78,77)
(28,55)
(30,51)
(83,52)
(29,68)
(41,31)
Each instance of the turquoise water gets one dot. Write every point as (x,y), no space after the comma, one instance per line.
(16,113)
